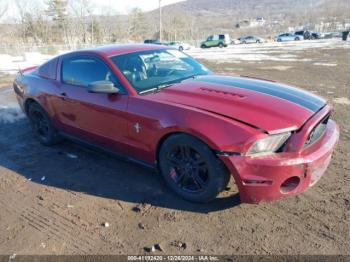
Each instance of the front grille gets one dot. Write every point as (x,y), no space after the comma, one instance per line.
(317,132)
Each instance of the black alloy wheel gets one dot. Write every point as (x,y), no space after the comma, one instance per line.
(42,126)
(191,168)
(187,168)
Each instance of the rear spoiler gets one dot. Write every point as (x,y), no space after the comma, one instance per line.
(20,71)
(26,70)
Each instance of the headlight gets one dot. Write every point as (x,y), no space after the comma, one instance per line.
(269,144)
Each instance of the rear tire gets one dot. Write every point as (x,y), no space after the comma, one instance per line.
(191,169)
(221,45)
(181,49)
(42,126)
(297,39)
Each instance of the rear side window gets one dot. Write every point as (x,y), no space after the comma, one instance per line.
(82,71)
(49,69)
(221,37)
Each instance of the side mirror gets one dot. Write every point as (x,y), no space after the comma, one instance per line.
(103,87)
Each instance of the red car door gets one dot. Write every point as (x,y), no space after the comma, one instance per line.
(98,118)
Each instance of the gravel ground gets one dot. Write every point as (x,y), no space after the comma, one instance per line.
(71,200)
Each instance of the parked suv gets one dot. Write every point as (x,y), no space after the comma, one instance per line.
(152,41)
(308,35)
(216,40)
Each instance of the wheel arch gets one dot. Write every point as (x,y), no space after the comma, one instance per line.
(28,102)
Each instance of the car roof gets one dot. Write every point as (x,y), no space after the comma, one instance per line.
(121,49)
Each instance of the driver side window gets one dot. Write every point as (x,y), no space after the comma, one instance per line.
(82,71)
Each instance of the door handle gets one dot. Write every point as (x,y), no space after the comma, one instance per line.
(63,96)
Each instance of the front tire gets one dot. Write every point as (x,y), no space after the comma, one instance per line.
(191,169)
(42,126)
(181,49)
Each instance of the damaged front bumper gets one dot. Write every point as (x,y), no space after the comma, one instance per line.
(280,175)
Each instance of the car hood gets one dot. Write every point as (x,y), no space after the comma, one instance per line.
(266,105)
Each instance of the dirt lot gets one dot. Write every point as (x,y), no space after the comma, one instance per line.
(55,200)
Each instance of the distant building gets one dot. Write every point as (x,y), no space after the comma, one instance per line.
(258,21)
(332,26)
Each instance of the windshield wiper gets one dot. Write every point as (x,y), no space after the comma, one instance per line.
(152,90)
(177,81)
(191,76)
(162,86)
(165,86)
(155,89)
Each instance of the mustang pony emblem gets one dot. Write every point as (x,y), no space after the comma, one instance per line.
(137,127)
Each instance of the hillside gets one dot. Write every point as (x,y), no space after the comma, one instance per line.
(209,16)
(251,8)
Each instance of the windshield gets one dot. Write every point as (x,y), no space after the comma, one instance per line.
(149,70)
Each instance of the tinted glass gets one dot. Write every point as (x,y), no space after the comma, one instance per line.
(215,38)
(49,69)
(151,69)
(83,71)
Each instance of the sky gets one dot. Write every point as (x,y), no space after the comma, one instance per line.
(113,6)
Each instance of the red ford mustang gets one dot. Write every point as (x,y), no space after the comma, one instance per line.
(160,107)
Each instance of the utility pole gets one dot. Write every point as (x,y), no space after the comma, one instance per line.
(92,25)
(92,30)
(160,20)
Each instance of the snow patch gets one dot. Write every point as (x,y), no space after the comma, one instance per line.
(278,68)
(325,64)
(266,52)
(11,64)
(10,114)
(342,100)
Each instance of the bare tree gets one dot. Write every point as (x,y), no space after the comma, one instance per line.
(82,11)
(32,22)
